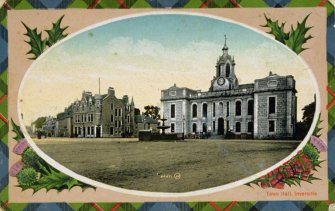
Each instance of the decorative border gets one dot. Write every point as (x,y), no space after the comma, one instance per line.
(121,4)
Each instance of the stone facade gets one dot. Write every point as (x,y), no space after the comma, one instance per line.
(143,122)
(97,116)
(50,126)
(118,115)
(87,116)
(264,109)
(64,123)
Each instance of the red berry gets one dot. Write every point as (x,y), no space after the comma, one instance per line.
(279,185)
(273,182)
(306,173)
(264,185)
(280,176)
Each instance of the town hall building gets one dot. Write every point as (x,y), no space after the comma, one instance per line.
(264,109)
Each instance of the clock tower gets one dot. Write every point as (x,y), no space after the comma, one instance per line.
(225,77)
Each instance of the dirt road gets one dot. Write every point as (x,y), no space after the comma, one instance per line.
(166,166)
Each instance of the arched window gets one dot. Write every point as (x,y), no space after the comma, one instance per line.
(204,110)
(221,107)
(228,70)
(221,69)
(194,128)
(251,107)
(238,127)
(238,108)
(194,110)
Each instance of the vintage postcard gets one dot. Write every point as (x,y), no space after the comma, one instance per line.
(167,105)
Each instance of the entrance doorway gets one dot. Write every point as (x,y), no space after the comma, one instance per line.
(220,126)
(98,132)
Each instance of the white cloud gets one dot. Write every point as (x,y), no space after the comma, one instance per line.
(141,68)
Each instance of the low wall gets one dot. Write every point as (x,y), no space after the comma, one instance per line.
(149,136)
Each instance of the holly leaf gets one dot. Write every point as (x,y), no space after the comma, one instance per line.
(317,128)
(297,37)
(17,130)
(276,29)
(37,44)
(56,33)
(52,178)
(55,180)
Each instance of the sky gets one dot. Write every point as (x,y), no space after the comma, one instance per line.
(140,56)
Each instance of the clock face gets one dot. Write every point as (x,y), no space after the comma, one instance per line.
(221,81)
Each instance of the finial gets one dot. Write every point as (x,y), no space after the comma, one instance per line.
(225,47)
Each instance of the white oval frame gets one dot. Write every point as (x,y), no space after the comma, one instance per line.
(94,183)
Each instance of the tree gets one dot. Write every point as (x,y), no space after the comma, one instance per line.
(304,125)
(308,113)
(40,121)
(137,111)
(152,111)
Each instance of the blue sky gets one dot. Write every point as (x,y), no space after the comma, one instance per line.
(140,56)
(170,31)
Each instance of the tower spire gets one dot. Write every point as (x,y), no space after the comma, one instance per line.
(132,101)
(225,47)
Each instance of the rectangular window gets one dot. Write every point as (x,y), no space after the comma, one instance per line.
(92,130)
(115,112)
(250,127)
(272,105)
(213,109)
(112,118)
(172,127)
(92,117)
(272,126)
(238,127)
(111,131)
(88,131)
(227,108)
(120,112)
(173,111)
(213,126)
(115,123)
